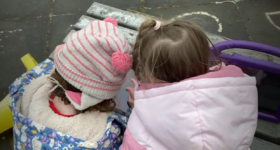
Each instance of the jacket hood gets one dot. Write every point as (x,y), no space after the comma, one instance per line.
(89,126)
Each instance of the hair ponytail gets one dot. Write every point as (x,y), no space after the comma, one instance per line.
(144,30)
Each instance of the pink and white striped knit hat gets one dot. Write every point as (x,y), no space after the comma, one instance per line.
(95,60)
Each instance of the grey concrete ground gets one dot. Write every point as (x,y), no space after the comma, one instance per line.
(36,27)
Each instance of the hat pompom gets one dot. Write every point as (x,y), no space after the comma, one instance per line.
(121,62)
(111,20)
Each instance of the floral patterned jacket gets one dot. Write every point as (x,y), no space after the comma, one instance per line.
(29,134)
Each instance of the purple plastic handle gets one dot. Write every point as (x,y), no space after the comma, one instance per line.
(249,61)
(247,45)
(252,62)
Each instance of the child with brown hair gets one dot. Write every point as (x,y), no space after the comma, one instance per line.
(73,107)
(181,102)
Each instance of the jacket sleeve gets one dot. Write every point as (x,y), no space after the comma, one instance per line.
(118,140)
(118,127)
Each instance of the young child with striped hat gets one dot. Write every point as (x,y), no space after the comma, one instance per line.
(72,108)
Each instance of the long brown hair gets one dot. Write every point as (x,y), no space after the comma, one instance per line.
(176,51)
(104,106)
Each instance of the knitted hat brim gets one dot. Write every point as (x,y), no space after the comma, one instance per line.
(81,101)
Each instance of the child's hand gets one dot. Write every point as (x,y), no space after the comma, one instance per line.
(131,93)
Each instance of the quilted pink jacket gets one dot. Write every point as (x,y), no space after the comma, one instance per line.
(215,111)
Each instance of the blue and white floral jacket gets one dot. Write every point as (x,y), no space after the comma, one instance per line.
(28,133)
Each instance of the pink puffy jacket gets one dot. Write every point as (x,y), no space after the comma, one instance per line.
(215,111)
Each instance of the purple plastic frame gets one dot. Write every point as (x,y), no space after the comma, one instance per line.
(251,62)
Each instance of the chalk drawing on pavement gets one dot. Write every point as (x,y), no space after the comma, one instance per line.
(204,14)
(268,14)
(11,31)
(227,1)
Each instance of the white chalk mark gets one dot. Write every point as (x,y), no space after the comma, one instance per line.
(11,31)
(69,14)
(237,1)
(223,2)
(204,14)
(230,1)
(268,14)
(147,7)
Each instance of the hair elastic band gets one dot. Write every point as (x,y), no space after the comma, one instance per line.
(157,26)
